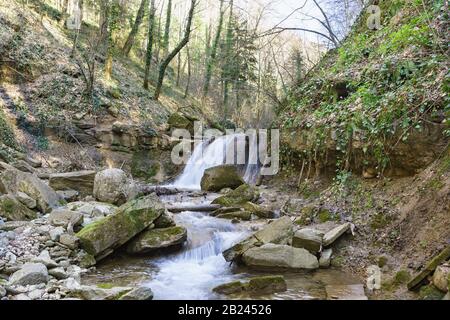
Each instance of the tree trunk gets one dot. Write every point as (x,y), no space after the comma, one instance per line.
(63,19)
(186,91)
(148,57)
(169,58)
(165,43)
(137,23)
(226,83)
(213,53)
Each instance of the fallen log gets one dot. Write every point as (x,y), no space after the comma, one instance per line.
(198,208)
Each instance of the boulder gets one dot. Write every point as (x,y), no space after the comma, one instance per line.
(26,200)
(45,259)
(70,241)
(81,181)
(216,178)
(29,274)
(58,273)
(230,287)
(69,195)
(165,220)
(55,233)
(258,210)
(64,218)
(241,215)
(179,121)
(278,257)
(325,258)
(155,239)
(308,239)
(140,293)
(279,232)
(113,186)
(14,181)
(441,277)
(13,210)
(103,236)
(92,208)
(240,195)
(334,234)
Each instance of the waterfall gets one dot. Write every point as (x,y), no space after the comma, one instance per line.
(210,154)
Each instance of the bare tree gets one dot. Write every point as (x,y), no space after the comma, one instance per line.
(137,22)
(148,56)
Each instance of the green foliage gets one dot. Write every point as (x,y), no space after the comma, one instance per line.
(7,136)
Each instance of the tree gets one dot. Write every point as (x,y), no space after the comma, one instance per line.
(227,51)
(174,52)
(213,52)
(137,23)
(112,14)
(148,56)
(62,20)
(165,43)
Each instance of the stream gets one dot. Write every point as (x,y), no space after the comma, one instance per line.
(192,272)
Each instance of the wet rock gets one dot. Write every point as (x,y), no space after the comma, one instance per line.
(346,292)
(240,215)
(26,200)
(81,181)
(219,177)
(115,230)
(12,225)
(55,233)
(240,195)
(275,256)
(429,268)
(85,260)
(325,258)
(69,241)
(280,231)
(113,186)
(430,292)
(12,209)
(155,239)
(29,274)
(97,293)
(64,217)
(14,181)
(334,234)
(165,220)
(308,239)
(267,285)
(225,210)
(441,277)
(141,293)
(230,288)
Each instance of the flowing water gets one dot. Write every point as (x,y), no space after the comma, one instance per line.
(199,266)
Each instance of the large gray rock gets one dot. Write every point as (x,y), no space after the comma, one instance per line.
(29,274)
(275,256)
(278,232)
(325,258)
(220,177)
(239,196)
(308,239)
(81,181)
(103,236)
(155,239)
(334,234)
(14,181)
(113,186)
(13,210)
(98,293)
(26,200)
(140,293)
(45,259)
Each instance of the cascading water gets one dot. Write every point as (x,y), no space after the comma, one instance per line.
(210,154)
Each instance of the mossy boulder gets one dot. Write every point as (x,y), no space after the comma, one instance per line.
(239,196)
(220,177)
(240,214)
(258,210)
(430,292)
(305,216)
(81,181)
(14,181)
(103,236)
(267,284)
(230,288)
(13,210)
(155,239)
(144,166)
(179,121)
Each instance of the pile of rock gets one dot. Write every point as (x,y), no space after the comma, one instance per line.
(278,247)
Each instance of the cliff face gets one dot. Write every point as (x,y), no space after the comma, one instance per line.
(379,103)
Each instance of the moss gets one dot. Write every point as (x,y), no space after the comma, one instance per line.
(307,215)
(401,277)
(430,292)
(106,285)
(7,136)
(238,196)
(267,284)
(379,221)
(382,261)
(230,288)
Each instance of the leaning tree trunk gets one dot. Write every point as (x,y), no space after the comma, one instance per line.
(137,23)
(169,58)
(148,56)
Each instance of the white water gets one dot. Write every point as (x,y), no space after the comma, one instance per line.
(207,155)
(192,273)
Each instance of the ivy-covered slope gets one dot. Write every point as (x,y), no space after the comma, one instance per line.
(379,103)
